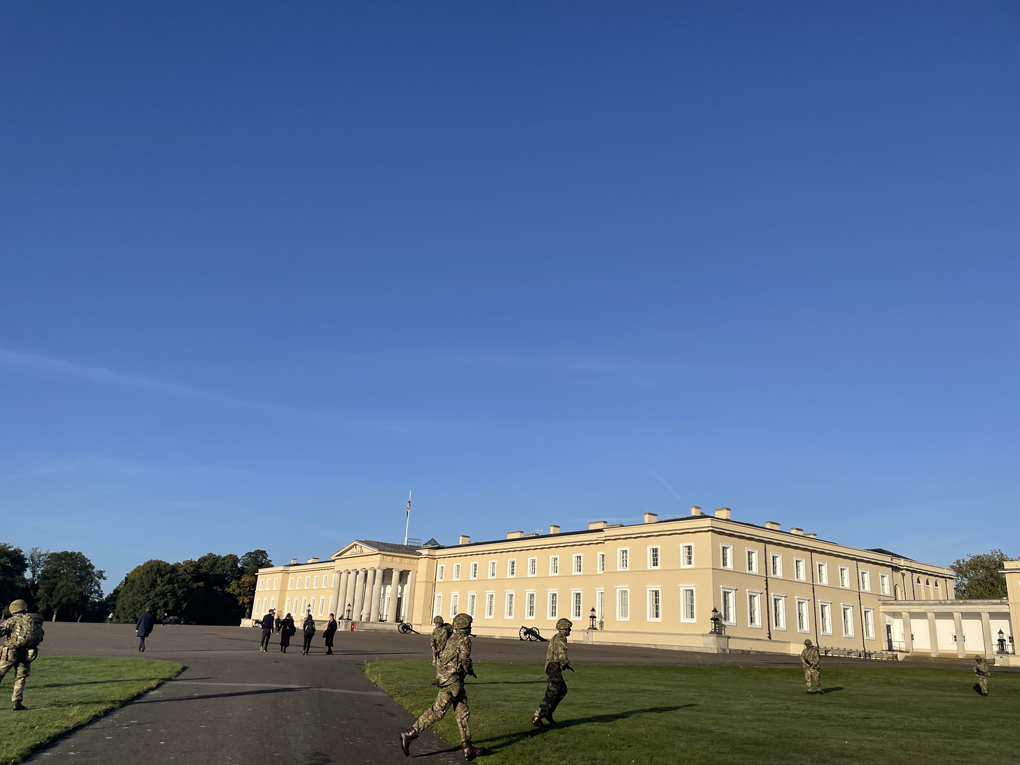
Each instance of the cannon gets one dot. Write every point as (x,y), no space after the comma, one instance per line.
(406,629)
(531,633)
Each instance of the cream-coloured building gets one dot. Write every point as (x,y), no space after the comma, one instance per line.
(656,583)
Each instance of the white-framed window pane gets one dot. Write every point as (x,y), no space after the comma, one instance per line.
(869,624)
(600,604)
(624,561)
(511,568)
(729,604)
(456,571)
(554,565)
(726,556)
(440,573)
(653,557)
(866,581)
(509,605)
(492,569)
(471,605)
(602,562)
(655,604)
(532,566)
(437,605)
(474,570)
(779,612)
(848,621)
(490,605)
(844,576)
(825,618)
(687,612)
(883,583)
(823,574)
(623,604)
(529,607)
(686,556)
(316,585)
(799,569)
(454,604)
(752,561)
(777,565)
(578,561)
(803,619)
(575,611)
(754,609)
(553,605)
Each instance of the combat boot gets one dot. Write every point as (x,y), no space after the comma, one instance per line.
(470,752)
(406,737)
(19,707)
(536,721)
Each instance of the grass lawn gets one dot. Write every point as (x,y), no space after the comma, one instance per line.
(67,691)
(710,714)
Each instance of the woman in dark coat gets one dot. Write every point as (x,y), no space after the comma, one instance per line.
(329,633)
(308,628)
(286,630)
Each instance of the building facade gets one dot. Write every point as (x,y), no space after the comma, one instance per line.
(656,583)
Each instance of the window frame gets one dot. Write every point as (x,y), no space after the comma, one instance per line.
(778,616)
(577,566)
(554,565)
(623,559)
(437,604)
(456,572)
(845,608)
(492,569)
(490,604)
(751,559)
(576,604)
(440,573)
(776,565)
(729,602)
(825,615)
(865,581)
(822,571)
(473,569)
(532,566)
(472,604)
(552,604)
(508,604)
(511,568)
(726,556)
(530,604)
(600,564)
(622,603)
(844,577)
(800,572)
(754,613)
(806,603)
(683,555)
(653,603)
(693,618)
(883,584)
(868,615)
(454,603)
(654,563)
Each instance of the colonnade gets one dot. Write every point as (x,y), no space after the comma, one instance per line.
(365,590)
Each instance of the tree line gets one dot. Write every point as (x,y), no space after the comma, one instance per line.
(66,586)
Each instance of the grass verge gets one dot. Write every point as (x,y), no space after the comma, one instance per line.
(67,691)
(703,715)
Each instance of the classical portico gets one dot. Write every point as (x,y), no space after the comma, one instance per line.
(375,581)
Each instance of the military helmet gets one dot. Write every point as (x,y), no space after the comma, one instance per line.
(438,621)
(564,624)
(18,606)
(807,643)
(462,622)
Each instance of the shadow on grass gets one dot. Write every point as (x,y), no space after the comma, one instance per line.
(260,692)
(96,682)
(831,690)
(510,682)
(501,742)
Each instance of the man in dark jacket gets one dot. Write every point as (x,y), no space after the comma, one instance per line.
(330,631)
(144,627)
(268,622)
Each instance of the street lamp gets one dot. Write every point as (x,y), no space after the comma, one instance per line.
(591,616)
(347,613)
(1002,642)
(717,625)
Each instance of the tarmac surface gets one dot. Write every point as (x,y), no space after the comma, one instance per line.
(235,704)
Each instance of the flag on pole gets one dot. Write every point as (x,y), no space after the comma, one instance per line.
(407,525)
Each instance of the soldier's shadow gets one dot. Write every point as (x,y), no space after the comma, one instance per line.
(500,742)
(831,690)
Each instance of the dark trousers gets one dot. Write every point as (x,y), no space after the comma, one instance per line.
(141,642)
(265,639)
(308,643)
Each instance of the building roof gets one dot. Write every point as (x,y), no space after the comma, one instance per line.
(883,551)
(389,547)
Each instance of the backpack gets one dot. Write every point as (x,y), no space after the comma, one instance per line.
(26,631)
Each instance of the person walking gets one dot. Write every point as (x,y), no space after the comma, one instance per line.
(308,630)
(983,673)
(440,634)
(331,627)
(286,630)
(267,629)
(279,621)
(555,662)
(23,633)
(143,626)
(454,666)
(810,659)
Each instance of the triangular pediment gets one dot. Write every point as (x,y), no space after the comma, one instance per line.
(354,547)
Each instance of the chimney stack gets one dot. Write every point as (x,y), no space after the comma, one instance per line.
(722,512)
(514,534)
(596,525)
(313,560)
(795,530)
(293,561)
(812,535)
(464,539)
(695,510)
(554,529)
(772,525)
(651,517)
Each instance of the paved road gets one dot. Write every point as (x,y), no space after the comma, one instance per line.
(234,704)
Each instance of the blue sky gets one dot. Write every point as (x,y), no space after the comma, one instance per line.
(265,268)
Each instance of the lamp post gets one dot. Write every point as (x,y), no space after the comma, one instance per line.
(717,625)
(1002,642)
(591,616)
(347,613)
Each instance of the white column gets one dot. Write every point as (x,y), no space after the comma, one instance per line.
(409,596)
(391,612)
(359,594)
(986,634)
(338,593)
(934,634)
(961,648)
(348,598)
(366,600)
(376,595)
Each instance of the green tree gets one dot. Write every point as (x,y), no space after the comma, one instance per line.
(210,577)
(157,584)
(13,565)
(69,582)
(980,577)
(36,561)
(251,562)
(243,588)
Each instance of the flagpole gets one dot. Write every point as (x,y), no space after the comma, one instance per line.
(407,526)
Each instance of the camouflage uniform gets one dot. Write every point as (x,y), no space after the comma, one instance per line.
(18,659)
(810,659)
(452,666)
(440,634)
(982,671)
(555,662)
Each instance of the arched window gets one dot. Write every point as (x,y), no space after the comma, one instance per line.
(927,582)
(918,580)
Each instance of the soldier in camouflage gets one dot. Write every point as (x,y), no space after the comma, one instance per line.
(440,634)
(555,662)
(453,664)
(983,672)
(23,633)
(810,659)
